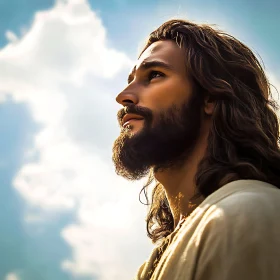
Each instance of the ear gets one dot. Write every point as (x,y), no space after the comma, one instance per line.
(209,105)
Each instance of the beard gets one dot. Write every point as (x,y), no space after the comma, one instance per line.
(165,141)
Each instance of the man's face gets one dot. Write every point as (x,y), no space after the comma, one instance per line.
(161,117)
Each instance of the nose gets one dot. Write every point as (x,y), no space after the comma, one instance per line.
(127,96)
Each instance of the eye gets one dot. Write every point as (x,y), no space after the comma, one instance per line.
(155,74)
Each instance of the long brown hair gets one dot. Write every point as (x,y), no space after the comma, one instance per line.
(244,140)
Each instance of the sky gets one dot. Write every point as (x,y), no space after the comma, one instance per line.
(65,214)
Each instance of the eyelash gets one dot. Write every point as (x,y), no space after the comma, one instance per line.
(150,75)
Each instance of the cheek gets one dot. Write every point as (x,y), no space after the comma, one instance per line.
(163,95)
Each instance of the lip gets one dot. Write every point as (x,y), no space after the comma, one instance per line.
(129,117)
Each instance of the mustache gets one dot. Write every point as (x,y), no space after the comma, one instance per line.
(133,109)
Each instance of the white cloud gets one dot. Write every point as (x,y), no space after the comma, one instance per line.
(12,276)
(11,37)
(32,218)
(63,69)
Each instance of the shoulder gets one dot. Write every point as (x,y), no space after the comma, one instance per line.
(252,199)
(240,232)
(251,206)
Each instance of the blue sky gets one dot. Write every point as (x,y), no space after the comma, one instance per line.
(58,188)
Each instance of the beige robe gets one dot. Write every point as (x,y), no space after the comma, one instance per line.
(234,234)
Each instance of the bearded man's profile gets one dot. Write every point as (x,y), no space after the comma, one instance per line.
(199,119)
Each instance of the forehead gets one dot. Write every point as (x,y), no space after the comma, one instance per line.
(166,51)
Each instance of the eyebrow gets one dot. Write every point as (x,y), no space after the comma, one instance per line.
(145,65)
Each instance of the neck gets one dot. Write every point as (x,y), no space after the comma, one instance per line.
(179,184)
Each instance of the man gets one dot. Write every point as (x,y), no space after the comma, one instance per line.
(197,116)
